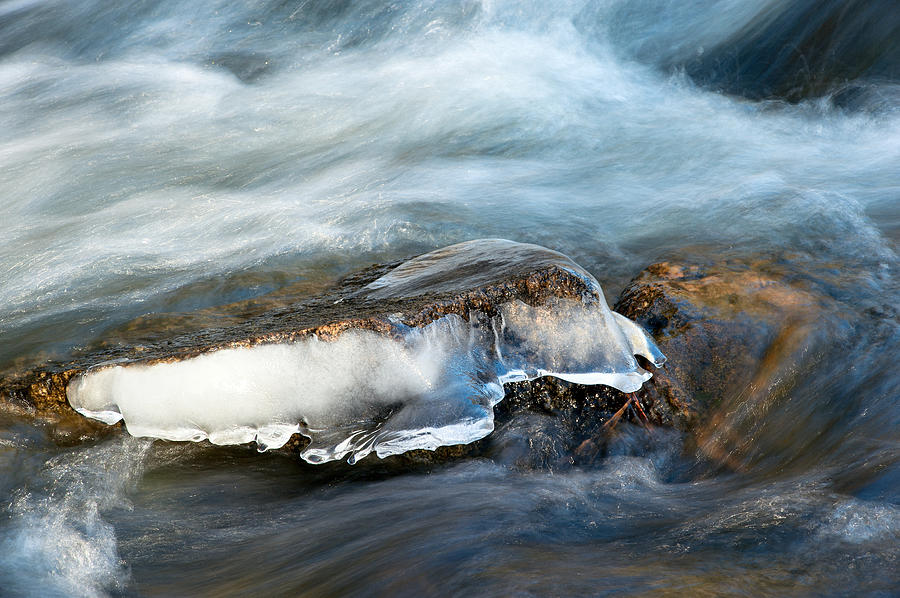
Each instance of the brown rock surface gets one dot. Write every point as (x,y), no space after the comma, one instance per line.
(733,332)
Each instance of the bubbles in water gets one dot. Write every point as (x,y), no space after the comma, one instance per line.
(858,522)
(56,542)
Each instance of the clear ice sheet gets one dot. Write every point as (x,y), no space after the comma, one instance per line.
(468,265)
(363,392)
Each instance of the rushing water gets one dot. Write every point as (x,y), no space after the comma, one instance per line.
(167,157)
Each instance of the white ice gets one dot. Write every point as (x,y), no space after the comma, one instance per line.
(363,392)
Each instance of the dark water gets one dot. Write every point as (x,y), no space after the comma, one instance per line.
(166,157)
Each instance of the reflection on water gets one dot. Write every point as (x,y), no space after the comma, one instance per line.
(162,158)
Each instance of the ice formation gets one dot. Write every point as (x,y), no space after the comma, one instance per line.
(364,392)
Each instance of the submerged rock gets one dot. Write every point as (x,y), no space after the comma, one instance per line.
(847,51)
(798,50)
(736,333)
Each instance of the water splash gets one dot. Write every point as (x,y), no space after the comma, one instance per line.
(58,542)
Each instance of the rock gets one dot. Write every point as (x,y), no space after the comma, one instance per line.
(476,277)
(528,273)
(733,331)
(729,330)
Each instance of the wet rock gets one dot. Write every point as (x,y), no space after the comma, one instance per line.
(471,278)
(730,331)
(734,332)
(469,282)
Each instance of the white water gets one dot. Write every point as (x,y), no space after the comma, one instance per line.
(138,167)
(364,392)
(58,543)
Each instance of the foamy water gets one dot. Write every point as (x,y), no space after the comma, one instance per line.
(136,169)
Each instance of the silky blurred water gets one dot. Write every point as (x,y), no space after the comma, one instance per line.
(167,157)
